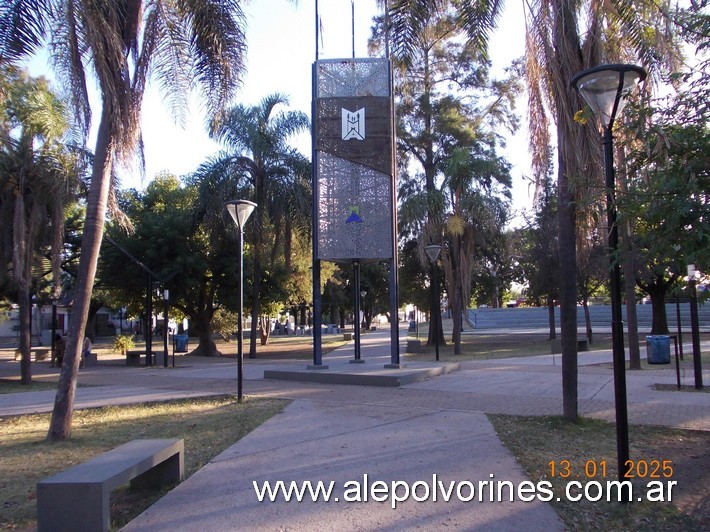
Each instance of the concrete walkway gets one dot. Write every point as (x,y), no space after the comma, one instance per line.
(347,433)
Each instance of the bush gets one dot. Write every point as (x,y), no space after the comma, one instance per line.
(123,343)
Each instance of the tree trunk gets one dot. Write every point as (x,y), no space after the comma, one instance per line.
(435,323)
(260,216)
(568,294)
(264,329)
(25,308)
(202,327)
(587,321)
(658,308)
(256,283)
(551,318)
(630,292)
(60,424)
(567,55)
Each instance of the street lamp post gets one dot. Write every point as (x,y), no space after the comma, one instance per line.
(363,293)
(433,251)
(166,321)
(603,88)
(240,210)
(356,304)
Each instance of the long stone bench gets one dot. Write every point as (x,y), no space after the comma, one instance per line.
(78,499)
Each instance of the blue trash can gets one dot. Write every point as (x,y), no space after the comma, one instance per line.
(658,349)
(180,343)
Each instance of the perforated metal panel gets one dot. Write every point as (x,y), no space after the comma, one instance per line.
(353,162)
(342,78)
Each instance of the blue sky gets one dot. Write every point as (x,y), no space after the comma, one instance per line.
(281,50)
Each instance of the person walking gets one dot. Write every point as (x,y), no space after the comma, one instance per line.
(85,350)
(58,352)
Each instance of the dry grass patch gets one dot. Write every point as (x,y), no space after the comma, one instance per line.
(208,426)
(12,385)
(536,441)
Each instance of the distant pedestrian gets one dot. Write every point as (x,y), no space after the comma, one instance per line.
(58,353)
(85,350)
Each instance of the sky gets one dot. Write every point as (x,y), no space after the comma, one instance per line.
(281,51)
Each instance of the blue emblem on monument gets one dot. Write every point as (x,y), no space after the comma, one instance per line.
(354,216)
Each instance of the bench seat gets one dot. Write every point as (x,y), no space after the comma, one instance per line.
(78,498)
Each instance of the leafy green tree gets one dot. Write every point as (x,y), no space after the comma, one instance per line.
(170,237)
(592,275)
(538,253)
(562,38)
(181,43)
(448,113)
(669,182)
(37,180)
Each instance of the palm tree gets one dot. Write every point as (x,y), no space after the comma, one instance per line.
(557,47)
(36,170)
(477,215)
(448,110)
(121,42)
(272,173)
(563,38)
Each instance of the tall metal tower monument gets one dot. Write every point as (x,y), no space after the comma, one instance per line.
(354,201)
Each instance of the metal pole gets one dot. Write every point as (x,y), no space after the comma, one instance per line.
(149,321)
(352,6)
(437,312)
(317,308)
(53,356)
(240,311)
(680,332)
(356,295)
(416,320)
(695,333)
(617,326)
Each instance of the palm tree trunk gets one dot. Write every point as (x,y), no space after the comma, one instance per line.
(60,424)
(567,55)
(25,307)
(568,295)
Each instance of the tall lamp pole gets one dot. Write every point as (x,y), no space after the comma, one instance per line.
(166,321)
(603,89)
(433,251)
(240,210)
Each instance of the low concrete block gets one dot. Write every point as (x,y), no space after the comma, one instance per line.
(133,358)
(414,346)
(78,499)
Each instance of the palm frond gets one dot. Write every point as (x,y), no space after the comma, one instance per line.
(23,24)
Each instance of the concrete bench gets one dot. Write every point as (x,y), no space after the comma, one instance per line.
(347,336)
(133,358)
(91,360)
(78,499)
(414,346)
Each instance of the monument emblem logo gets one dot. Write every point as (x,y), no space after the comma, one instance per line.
(353,124)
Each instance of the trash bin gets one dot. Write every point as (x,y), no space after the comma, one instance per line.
(658,349)
(180,343)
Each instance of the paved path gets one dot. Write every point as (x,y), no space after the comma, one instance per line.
(341,433)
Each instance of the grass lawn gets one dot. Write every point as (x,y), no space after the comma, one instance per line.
(207,425)
(12,385)
(481,346)
(590,448)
